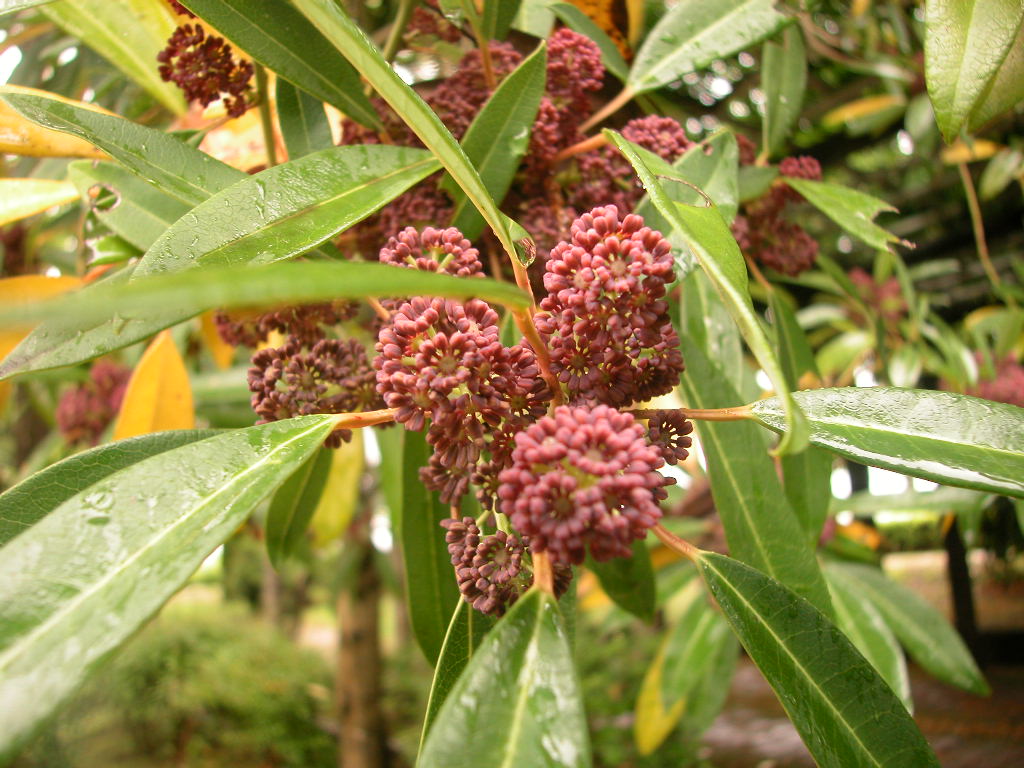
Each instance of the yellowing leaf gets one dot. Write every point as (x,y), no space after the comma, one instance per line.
(23,289)
(20,198)
(962,152)
(653,723)
(159,396)
(860,108)
(341,492)
(20,136)
(222,352)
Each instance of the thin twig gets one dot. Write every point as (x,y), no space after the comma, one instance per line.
(364,418)
(266,118)
(580,147)
(978,225)
(382,313)
(397,29)
(673,542)
(609,109)
(758,275)
(737,413)
(543,577)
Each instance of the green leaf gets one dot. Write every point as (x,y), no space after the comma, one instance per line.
(949,438)
(760,526)
(841,707)
(289,209)
(12,6)
(110,249)
(466,632)
(127,33)
(131,206)
(578,21)
(293,506)
(629,581)
(303,121)
(924,632)
(941,500)
(79,582)
(755,180)
(706,321)
(967,43)
(431,589)
(353,43)
(499,135)
(281,39)
(522,678)
(498,16)
(36,496)
(1003,168)
(1006,89)
(784,80)
(693,33)
(862,624)
(707,235)
(852,210)
(690,646)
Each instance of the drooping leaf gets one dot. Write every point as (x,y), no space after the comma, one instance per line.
(341,494)
(629,581)
(293,505)
(1006,89)
(21,198)
(280,38)
(431,589)
(36,496)
(966,45)
(158,396)
(851,209)
(499,135)
(69,595)
(289,209)
(706,321)
(941,436)
(127,33)
(303,121)
(578,21)
(860,621)
(497,18)
(707,235)
(21,136)
(760,526)
(843,710)
(694,33)
(924,632)
(784,80)
(523,678)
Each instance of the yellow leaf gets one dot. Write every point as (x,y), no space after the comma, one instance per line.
(24,289)
(19,136)
(860,108)
(653,723)
(962,152)
(159,396)
(222,352)
(20,198)
(341,492)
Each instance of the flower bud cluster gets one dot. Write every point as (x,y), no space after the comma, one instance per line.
(87,409)
(205,69)
(605,318)
(303,322)
(885,297)
(1006,386)
(670,432)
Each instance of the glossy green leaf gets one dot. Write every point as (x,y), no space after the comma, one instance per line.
(707,235)
(784,80)
(289,209)
(131,206)
(1007,87)
(353,43)
(466,632)
(36,496)
(760,526)
(949,438)
(522,678)
(129,34)
(843,710)
(851,209)
(499,135)
(578,21)
(929,639)
(110,249)
(862,624)
(706,321)
(281,39)
(942,500)
(497,18)
(303,121)
(629,581)
(431,589)
(11,6)
(293,505)
(79,582)
(390,440)
(966,44)
(693,33)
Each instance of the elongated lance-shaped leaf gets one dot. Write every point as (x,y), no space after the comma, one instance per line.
(303,121)
(21,198)
(578,21)
(693,33)
(924,632)
(289,209)
(851,209)
(466,632)
(128,204)
(10,6)
(281,39)
(708,237)
(497,18)
(760,526)
(843,710)
(861,622)
(523,678)
(79,582)
(941,436)
(706,321)
(629,581)
(784,80)
(293,505)
(36,496)
(497,138)
(353,43)
(941,500)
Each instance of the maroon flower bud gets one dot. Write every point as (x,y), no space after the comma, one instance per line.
(87,409)
(204,68)
(670,432)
